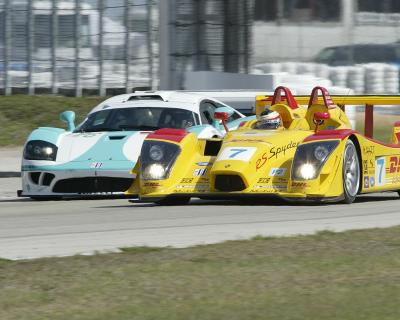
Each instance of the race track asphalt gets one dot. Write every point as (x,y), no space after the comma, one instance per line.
(33,229)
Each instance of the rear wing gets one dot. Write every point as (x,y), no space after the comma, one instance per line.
(369,101)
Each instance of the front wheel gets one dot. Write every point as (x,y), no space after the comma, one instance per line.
(351,172)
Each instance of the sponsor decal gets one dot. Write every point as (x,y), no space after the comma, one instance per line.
(394,164)
(151,184)
(277,172)
(270,187)
(372,182)
(261,161)
(380,172)
(186,180)
(237,153)
(200,172)
(395,180)
(366,182)
(264,180)
(96,165)
(299,184)
(369,150)
(277,151)
(185,186)
(368,166)
(203,164)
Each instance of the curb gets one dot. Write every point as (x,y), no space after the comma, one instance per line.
(10,174)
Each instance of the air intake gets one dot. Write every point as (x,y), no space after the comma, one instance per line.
(229,183)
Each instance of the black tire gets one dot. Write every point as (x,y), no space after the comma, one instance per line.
(175,201)
(46,198)
(351,172)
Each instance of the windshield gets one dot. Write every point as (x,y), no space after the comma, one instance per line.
(137,119)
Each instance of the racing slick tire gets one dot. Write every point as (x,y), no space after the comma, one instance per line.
(175,201)
(46,198)
(351,172)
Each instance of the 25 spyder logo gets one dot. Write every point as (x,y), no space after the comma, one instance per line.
(275,152)
(261,161)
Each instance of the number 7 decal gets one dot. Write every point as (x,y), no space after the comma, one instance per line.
(380,171)
(235,152)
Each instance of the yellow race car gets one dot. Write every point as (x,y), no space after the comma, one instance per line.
(313,155)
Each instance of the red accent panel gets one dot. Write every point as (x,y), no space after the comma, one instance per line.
(397,124)
(369,121)
(325,95)
(398,136)
(277,98)
(175,135)
(329,135)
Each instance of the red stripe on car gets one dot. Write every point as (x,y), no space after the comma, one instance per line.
(175,135)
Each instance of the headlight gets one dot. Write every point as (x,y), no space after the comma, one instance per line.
(310,158)
(321,152)
(157,159)
(156,153)
(40,150)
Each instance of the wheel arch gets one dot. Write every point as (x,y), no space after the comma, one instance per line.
(356,143)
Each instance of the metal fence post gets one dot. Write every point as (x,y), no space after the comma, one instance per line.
(30,27)
(150,41)
(78,88)
(54,35)
(127,46)
(102,89)
(7,45)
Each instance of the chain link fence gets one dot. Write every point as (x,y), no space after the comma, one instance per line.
(77,47)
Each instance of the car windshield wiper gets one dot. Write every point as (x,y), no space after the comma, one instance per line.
(138,128)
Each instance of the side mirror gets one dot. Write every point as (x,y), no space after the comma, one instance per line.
(319,118)
(222,114)
(69,118)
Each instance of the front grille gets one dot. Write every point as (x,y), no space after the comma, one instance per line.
(229,183)
(92,185)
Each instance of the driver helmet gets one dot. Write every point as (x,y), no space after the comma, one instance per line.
(269,119)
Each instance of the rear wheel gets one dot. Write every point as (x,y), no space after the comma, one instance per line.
(175,201)
(351,172)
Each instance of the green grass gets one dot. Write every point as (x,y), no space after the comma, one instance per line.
(351,275)
(20,114)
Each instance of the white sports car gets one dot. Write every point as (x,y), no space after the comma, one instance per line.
(96,156)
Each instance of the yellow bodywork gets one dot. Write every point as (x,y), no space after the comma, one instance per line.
(253,162)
